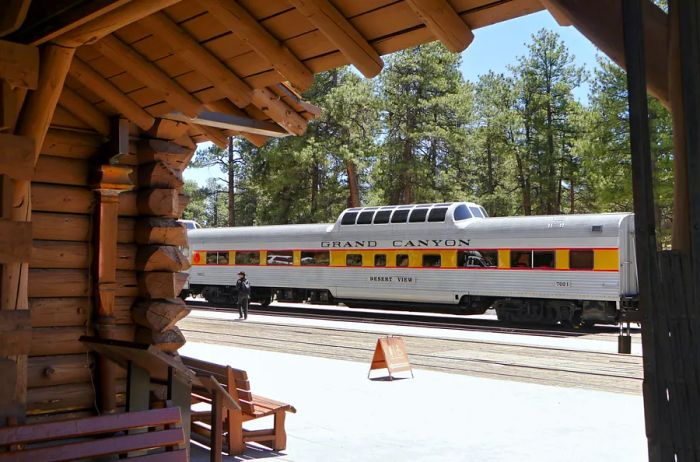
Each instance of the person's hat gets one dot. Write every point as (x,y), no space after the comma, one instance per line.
(241,273)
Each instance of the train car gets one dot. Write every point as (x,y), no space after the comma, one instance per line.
(573,269)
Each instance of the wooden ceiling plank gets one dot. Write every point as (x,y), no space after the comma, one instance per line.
(247,28)
(444,22)
(111,94)
(601,22)
(84,110)
(183,44)
(342,34)
(116,19)
(149,74)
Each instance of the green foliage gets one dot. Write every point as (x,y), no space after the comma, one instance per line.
(518,143)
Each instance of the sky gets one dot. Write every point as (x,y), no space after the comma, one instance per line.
(494,48)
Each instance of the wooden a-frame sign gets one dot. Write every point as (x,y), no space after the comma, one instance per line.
(390,354)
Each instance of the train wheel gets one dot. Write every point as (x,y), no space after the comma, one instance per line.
(266,301)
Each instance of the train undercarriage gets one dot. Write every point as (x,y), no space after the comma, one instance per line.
(509,310)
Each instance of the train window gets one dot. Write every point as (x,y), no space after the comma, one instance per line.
(418,215)
(353,259)
(437,214)
(365,218)
(476,211)
(543,259)
(217,258)
(581,259)
(484,212)
(382,217)
(432,261)
(477,258)
(348,218)
(521,259)
(402,260)
(315,258)
(247,258)
(399,216)
(380,259)
(280,257)
(461,212)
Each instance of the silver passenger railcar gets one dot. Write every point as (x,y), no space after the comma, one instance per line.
(568,268)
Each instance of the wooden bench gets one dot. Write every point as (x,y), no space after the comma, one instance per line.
(236,384)
(92,437)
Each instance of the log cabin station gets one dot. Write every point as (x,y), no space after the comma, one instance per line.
(102,104)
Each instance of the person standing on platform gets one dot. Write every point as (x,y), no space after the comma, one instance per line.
(243,288)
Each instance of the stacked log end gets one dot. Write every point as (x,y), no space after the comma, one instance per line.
(159,258)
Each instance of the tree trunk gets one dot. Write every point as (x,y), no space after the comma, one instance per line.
(231,185)
(354,189)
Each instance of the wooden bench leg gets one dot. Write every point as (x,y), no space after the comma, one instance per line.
(236,446)
(217,430)
(280,442)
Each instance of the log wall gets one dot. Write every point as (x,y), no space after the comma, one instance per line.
(61,277)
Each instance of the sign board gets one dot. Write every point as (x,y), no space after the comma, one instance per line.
(390,354)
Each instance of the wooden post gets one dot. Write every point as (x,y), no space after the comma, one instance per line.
(110,181)
(645,232)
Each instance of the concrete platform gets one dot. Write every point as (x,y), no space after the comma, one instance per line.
(343,416)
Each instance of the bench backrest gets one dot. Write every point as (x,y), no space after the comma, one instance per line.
(164,425)
(235,380)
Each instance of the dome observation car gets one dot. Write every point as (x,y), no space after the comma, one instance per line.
(450,212)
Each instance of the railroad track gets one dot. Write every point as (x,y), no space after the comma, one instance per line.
(533,364)
(608,333)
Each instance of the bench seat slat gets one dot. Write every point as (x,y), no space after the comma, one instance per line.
(88,426)
(99,447)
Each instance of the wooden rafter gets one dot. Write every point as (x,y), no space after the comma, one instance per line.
(111,94)
(332,23)
(250,31)
(444,23)
(107,23)
(148,74)
(84,110)
(221,76)
(190,50)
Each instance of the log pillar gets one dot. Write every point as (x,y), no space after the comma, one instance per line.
(161,239)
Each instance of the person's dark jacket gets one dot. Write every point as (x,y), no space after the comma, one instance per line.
(243,288)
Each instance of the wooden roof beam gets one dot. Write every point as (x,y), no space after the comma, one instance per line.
(601,22)
(149,74)
(111,94)
(558,15)
(332,23)
(114,20)
(38,110)
(84,110)
(247,28)
(221,76)
(231,122)
(444,23)
(15,11)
